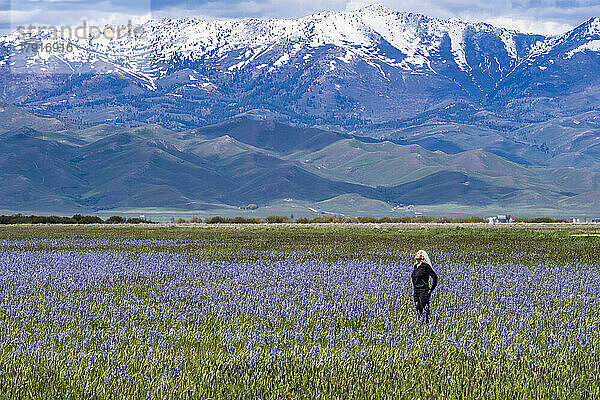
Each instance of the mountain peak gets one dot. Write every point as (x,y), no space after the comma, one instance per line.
(294,69)
(384,11)
(593,20)
(377,7)
(591,27)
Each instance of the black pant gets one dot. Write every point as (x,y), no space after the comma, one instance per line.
(421,298)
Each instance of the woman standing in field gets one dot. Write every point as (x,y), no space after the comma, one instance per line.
(420,279)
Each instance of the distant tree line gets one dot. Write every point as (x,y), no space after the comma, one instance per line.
(538,220)
(273,219)
(278,219)
(75,219)
(388,220)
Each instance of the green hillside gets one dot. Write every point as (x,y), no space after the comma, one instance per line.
(243,161)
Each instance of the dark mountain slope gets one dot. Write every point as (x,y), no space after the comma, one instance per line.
(271,135)
(115,167)
(446,187)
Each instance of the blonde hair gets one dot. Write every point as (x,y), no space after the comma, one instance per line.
(425,256)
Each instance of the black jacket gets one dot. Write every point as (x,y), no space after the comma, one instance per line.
(420,277)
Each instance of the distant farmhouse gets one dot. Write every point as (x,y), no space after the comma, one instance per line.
(501,219)
(584,220)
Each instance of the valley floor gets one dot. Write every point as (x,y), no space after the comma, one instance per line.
(295,311)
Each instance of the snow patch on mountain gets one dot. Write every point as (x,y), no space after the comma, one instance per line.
(593,45)
(593,27)
(456,33)
(359,33)
(508,38)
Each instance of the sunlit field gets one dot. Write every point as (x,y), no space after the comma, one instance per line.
(90,312)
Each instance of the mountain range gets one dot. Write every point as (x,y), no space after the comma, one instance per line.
(392,107)
(48,167)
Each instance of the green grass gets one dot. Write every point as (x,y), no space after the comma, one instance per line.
(175,336)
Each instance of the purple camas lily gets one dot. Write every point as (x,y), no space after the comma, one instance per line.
(150,316)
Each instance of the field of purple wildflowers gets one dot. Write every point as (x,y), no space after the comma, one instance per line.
(296,314)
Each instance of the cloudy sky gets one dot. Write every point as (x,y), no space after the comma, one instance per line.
(538,16)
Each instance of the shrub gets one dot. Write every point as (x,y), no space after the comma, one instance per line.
(242,220)
(216,220)
(367,219)
(87,219)
(135,221)
(468,220)
(276,219)
(115,219)
(539,220)
(321,220)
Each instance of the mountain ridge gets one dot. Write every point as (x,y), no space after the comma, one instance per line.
(240,162)
(330,106)
(348,69)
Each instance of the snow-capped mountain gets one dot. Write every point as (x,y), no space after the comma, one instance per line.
(560,76)
(415,42)
(350,69)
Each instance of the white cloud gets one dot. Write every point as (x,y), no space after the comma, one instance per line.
(260,8)
(18,16)
(78,11)
(536,16)
(542,16)
(529,25)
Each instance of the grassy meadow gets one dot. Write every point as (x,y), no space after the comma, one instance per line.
(279,312)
